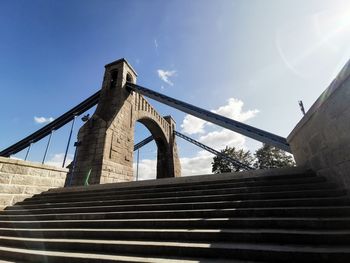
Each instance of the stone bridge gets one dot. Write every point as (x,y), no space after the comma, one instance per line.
(106,141)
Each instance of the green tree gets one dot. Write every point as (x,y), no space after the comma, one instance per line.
(271,157)
(221,165)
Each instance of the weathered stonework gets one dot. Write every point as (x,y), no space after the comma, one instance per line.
(22,179)
(321,140)
(106,140)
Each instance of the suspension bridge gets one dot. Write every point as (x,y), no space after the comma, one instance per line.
(297,214)
(126,89)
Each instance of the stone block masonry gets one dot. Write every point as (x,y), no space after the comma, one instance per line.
(321,140)
(106,140)
(22,179)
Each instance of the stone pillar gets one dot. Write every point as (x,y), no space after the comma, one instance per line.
(174,165)
(107,138)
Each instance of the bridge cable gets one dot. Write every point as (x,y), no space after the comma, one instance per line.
(206,115)
(217,153)
(203,146)
(54,125)
(143,143)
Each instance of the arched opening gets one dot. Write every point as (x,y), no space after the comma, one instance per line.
(145,158)
(129,78)
(114,78)
(152,162)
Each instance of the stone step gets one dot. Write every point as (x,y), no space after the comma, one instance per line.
(211,250)
(184,206)
(297,223)
(204,198)
(282,236)
(256,175)
(19,255)
(294,218)
(183,187)
(327,211)
(116,195)
(7,261)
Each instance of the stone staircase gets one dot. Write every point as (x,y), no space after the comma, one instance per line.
(280,215)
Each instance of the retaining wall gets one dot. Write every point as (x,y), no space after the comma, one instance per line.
(21,179)
(321,140)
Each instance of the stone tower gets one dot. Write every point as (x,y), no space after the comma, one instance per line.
(106,140)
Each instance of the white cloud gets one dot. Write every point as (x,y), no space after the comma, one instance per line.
(57,159)
(165,75)
(42,120)
(192,125)
(233,110)
(199,164)
(147,169)
(156,43)
(222,138)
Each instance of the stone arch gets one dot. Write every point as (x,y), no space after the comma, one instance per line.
(143,110)
(162,143)
(106,141)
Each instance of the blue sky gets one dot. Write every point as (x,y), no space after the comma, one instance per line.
(251,60)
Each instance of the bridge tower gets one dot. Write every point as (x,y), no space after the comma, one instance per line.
(106,141)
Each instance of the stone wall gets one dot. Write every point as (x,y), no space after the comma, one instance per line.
(321,140)
(21,179)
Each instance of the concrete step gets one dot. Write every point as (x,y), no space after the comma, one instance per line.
(188,187)
(293,218)
(27,255)
(184,206)
(204,198)
(256,175)
(327,211)
(213,250)
(166,190)
(116,195)
(277,236)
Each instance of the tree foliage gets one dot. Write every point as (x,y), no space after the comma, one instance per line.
(265,157)
(271,157)
(222,165)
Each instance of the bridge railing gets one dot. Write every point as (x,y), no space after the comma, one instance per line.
(50,128)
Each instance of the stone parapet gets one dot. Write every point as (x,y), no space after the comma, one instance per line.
(21,179)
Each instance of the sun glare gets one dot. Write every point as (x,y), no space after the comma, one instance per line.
(321,36)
